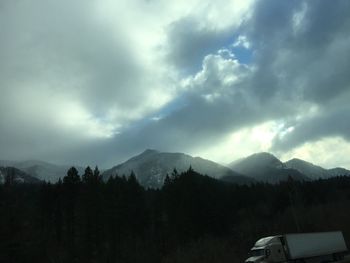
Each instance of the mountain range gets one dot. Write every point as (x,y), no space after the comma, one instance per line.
(17,176)
(265,167)
(41,170)
(152,166)
(315,171)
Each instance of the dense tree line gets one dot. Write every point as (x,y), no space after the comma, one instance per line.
(192,218)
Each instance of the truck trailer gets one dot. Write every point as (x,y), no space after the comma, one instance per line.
(319,247)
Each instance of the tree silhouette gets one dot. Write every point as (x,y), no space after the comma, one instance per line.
(191,218)
(88,175)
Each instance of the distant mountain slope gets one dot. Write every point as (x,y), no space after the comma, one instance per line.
(266,167)
(262,159)
(41,170)
(311,170)
(315,171)
(338,171)
(17,176)
(152,166)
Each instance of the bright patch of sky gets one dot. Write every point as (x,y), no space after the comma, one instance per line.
(329,152)
(242,49)
(242,143)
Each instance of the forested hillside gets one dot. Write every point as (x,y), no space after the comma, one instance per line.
(192,218)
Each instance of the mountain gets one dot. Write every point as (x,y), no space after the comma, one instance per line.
(16,176)
(315,171)
(41,170)
(152,166)
(265,167)
(311,170)
(262,159)
(338,171)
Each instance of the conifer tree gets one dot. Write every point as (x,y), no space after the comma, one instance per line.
(88,175)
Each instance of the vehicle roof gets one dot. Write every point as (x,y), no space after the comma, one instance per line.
(266,240)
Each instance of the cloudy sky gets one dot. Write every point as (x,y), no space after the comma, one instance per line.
(98,81)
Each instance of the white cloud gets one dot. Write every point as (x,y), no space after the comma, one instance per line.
(242,41)
(298,18)
(219,74)
(85,72)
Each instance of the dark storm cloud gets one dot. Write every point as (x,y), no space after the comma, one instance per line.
(210,109)
(306,62)
(327,123)
(291,71)
(309,60)
(189,41)
(54,54)
(302,57)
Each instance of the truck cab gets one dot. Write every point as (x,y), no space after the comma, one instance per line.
(319,247)
(267,249)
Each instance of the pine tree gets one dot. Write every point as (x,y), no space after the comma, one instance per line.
(167,180)
(97,176)
(174,175)
(71,185)
(72,177)
(88,175)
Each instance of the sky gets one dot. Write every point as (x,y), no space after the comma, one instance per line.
(98,81)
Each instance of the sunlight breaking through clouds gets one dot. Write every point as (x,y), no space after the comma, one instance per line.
(330,152)
(222,79)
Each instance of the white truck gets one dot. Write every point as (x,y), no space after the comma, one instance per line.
(299,248)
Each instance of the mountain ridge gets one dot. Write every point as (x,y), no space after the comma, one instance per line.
(14,175)
(315,171)
(41,170)
(151,167)
(266,167)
